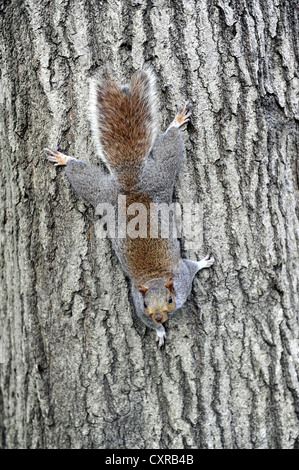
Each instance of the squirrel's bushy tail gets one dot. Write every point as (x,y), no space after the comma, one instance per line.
(123,121)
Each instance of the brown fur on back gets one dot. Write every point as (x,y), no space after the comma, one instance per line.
(147,258)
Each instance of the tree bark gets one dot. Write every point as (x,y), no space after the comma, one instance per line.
(78,369)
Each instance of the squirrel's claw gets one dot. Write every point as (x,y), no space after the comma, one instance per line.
(185,110)
(161,335)
(209,260)
(182,116)
(206,262)
(56,157)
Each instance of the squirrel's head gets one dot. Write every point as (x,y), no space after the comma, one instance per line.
(158,299)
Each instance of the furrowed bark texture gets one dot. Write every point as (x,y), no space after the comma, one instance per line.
(78,370)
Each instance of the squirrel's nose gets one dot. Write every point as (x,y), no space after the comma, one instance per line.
(158,317)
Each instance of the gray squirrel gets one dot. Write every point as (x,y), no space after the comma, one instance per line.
(143,168)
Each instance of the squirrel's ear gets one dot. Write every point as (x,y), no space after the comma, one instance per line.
(142,289)
(169,285)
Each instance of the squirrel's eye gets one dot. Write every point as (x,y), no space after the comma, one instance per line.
(170,300)
(145,305)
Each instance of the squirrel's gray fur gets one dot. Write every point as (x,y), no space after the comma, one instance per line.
(154,174)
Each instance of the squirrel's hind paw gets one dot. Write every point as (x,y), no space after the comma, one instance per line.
(183,115)
(56,157)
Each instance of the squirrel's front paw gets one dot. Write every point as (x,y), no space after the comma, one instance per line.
(161,335)
(56,157)
(206,262)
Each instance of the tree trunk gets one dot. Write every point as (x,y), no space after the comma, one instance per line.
(78,369)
